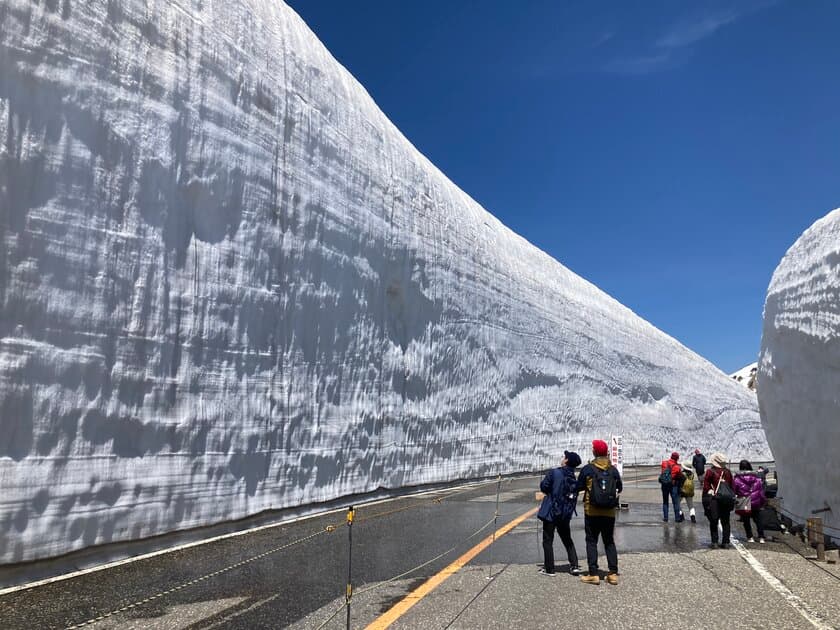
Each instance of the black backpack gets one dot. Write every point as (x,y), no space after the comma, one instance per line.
(604,493)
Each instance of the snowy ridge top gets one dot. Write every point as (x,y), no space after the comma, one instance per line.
(803,292)
(746,376)
(540,268)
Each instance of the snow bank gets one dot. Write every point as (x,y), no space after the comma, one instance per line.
(746,376)
(229,284)
(799,371)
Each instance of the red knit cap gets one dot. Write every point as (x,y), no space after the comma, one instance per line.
(675,456)
(600,448)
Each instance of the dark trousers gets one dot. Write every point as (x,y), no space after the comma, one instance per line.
(748,526)
(670,492)
(563,529)
(715,516)
(602,526)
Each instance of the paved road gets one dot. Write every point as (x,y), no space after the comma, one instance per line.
(268,579)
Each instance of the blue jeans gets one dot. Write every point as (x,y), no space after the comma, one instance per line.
(673,491)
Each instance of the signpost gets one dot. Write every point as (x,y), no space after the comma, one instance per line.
(617,453)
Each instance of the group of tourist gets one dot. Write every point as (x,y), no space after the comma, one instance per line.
(724,493)
(600,483)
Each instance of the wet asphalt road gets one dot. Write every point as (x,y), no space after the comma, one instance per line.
(388,539)
(280,582)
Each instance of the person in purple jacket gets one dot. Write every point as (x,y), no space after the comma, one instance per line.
(750,484)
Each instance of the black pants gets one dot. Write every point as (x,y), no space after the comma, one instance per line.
(754,515)
(715,516)
(563,529)
(602,526)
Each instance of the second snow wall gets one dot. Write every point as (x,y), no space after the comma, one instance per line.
(229,284)
(798,375)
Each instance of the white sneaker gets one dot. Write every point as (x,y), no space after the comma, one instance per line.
(761,540)
(750,539)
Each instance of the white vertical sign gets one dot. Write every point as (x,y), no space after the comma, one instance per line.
(617,453)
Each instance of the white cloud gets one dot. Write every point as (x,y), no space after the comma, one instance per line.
(690,31)
(640,65)
(674,46)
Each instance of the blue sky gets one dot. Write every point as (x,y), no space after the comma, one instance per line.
(668,152)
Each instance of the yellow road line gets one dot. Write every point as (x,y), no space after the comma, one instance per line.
(654,478)
(402,607)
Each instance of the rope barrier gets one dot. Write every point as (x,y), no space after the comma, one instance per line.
(332,616)
(428,562)
(495,520)
(812,561)
(327,529)
(474,598)
(196,580)
(804,519)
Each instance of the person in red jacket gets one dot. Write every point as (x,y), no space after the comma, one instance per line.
(717,511)
(670,481)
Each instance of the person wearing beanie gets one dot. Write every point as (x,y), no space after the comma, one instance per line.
(600,448)
(572,459)
(670,481)
(698,462)
(601,484)
(717,509)
(719,460)
(558,506)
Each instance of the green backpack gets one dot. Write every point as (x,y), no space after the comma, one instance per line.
(687,488)
(665,476)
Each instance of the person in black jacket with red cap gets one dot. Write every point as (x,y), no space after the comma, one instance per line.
(599,518)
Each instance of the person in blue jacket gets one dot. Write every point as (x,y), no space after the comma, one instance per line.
(560,488)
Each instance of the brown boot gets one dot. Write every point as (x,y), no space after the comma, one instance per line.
(590,579)
(612,578)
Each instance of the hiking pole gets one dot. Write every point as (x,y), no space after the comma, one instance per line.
(495,521)
(349,593)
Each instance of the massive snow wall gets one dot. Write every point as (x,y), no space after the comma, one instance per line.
(798,375)
(229,284)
